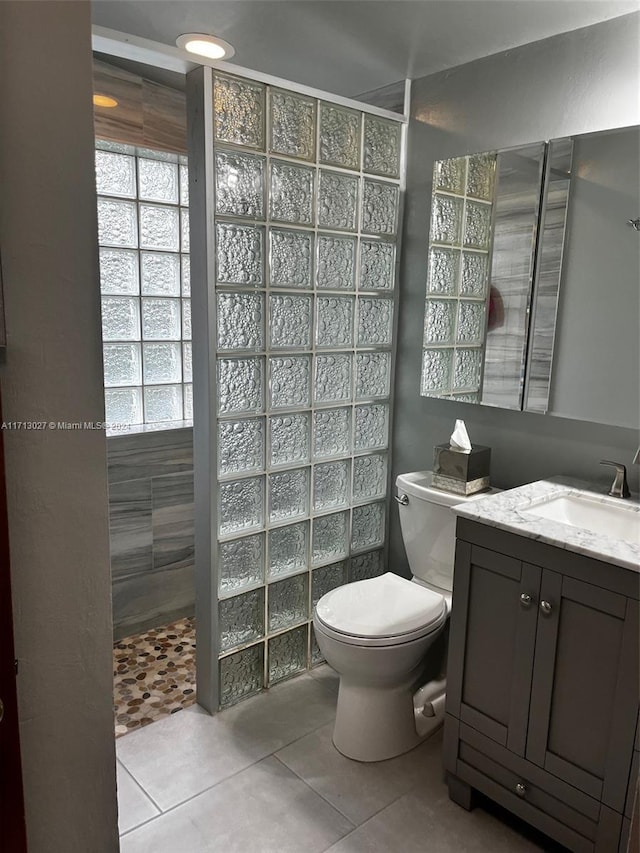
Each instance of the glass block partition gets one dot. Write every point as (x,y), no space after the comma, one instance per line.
(458,278)
(143,234)
(306,220)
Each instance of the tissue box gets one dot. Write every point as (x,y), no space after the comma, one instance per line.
(462,473)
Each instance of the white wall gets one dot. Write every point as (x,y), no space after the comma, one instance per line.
(573,83)
(56,480)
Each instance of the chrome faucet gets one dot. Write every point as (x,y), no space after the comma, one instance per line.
(619,487)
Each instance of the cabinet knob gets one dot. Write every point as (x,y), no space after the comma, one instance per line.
(525,599)
(521,789)
(546,607)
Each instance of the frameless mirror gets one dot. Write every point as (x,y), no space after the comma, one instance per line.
(596,356)
(495,252)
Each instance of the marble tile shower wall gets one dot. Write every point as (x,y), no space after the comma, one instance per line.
(307,203)
(151,528)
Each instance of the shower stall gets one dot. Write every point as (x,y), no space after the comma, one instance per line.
(295,205)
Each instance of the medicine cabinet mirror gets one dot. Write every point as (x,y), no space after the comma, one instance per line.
(495,254)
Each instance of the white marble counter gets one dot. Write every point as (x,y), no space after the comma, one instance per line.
(507,511)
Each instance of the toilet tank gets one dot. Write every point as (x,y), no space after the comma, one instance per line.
(429,527)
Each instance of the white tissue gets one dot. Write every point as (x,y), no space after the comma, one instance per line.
(460,440)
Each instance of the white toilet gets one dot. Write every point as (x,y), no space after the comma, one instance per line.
(375,633)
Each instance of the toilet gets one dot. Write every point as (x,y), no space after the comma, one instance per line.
(375,633)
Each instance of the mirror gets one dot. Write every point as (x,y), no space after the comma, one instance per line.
(596,357)
(557,279)
(495,251)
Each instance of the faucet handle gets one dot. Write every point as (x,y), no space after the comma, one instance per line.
(636,458)
(619,487)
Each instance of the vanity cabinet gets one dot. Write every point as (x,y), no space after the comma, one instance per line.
(542,686)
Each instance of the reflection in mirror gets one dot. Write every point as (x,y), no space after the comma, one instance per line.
(512,263)
(493,275)
(548,265)
(458,277)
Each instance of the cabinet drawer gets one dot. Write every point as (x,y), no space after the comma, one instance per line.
(531,773)
(532,797)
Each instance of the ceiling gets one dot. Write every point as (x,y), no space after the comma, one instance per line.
(354,46)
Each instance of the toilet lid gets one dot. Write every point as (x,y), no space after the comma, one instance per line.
(386,606)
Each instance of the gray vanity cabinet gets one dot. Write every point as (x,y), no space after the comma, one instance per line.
(490,669)
(542,686)
(582,709)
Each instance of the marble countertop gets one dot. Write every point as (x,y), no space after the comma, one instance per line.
(507,511)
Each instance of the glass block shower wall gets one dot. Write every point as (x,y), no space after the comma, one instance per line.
(143,233)
(458,277)
(307,203)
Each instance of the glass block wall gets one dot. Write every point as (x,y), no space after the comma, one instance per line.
(458,277)
(307,198)
(143,233)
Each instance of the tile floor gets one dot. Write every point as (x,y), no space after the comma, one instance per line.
(263,776)
(154,674)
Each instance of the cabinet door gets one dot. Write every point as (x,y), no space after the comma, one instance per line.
(491,645)
(584,696)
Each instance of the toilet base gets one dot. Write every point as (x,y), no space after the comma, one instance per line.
(375,724)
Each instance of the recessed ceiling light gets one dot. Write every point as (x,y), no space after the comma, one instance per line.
(104,101)
(204,45)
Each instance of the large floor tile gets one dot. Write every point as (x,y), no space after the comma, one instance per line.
(134,807)
(425,819)
(356,789)
(327,676)
(176,758)
(266,809)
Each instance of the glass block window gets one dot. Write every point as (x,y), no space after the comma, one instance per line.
(143,234)
(455,316)
(306,230)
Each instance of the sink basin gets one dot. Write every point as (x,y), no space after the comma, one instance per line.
(609,517)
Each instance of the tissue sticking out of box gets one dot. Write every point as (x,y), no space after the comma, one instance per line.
(460,438)
(460,467)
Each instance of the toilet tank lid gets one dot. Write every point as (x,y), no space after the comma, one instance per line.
(385,606)
(418,484)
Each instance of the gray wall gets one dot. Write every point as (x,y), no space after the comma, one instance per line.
(151,528)
(574,83)
(597,357)
(56,479)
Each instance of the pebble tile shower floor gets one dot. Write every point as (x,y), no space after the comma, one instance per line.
(154,675)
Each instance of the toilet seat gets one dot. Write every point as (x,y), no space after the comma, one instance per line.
(383,611)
